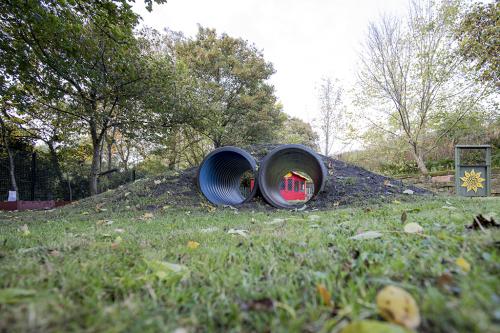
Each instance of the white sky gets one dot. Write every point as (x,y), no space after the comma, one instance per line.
(305,40)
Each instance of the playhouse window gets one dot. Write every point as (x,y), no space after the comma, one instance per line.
(296,186)
(290,184)
(282,185)
(302,186)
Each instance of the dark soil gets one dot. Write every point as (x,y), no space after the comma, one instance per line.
(346,184)
(349,184)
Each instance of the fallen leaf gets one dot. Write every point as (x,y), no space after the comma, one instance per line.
(372,326)
(275,221)
(118,240)
(444,280)
(396,202)
(54,253)
(180,330)
(481,222)
(147,216)
(15,295)
(387,182)
(409,192)
(463,264)
(367,235)
(24,230)
(126,194)
(261,304)
(85,213)
(240,232)
(325,295)
(193,245)
(413,228)
(98,207)
(157,182)
(209,230)
(398,306)
(166,271)
(448,207)
(404,217)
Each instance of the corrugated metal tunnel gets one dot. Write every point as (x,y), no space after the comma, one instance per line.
(220,174)
(282,160)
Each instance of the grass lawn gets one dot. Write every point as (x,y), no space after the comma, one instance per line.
(72,270)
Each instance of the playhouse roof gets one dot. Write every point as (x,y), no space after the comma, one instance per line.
(288,175)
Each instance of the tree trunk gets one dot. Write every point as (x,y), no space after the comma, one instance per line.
(417,156)
(110,155)
(54,160)
(327,142)
(95,167)
(109,146)
(12,167)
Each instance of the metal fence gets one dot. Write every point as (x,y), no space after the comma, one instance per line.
(37,180)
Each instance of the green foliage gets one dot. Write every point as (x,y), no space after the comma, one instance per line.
(479,35)
(231,101)
(79,60)
(297,131)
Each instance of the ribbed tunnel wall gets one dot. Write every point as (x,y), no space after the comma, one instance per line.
(282,160)
(220,173)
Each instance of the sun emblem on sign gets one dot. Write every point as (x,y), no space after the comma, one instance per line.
(472,180)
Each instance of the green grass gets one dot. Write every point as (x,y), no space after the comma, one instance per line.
(72,271)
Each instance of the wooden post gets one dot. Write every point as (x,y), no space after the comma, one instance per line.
(488,171)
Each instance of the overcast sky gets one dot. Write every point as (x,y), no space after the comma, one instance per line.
(305,40)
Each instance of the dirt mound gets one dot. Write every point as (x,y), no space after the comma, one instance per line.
(346,184)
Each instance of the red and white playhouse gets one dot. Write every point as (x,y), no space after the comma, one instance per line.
(293,186)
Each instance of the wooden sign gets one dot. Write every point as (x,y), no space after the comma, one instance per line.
(473,178)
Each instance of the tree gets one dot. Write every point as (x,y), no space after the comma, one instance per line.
(294,130)
(411,77)
(6,132)
(81,54)
(331,110)
(478,34)
(231,101)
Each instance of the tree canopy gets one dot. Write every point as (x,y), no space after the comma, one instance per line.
(233,102)
(479,36)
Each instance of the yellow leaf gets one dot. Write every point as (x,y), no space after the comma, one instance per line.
(147,216)
(24,229)
(463,264)
(372,326)
(396,202)
(324,294)
(193,245)
(398,306)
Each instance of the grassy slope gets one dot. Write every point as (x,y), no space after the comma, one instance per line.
(264,282)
